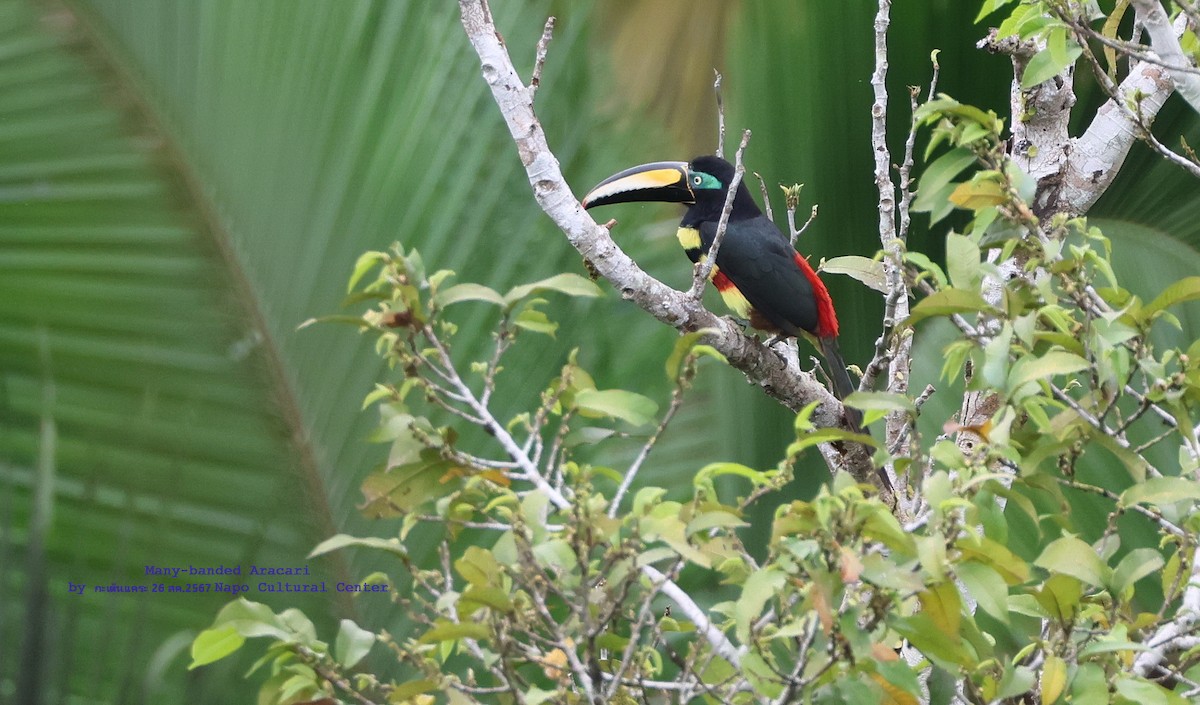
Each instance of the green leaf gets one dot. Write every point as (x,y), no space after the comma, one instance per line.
(302,686)
(990,6)
(1114,641)
(402,489)
(987,587)
(932,642)
(962,262)
(868,271)
(476,595)
(365,262)
(809,439)
(299,628)
(1136,565)
(936,180)
(467,292)
(760,587)
(352,643)
(1162,490)
(254,619)
(1059,596)
(1047,64)
(646,498)
(567,283)
(534,320)
(1090,685)
(880,401)
(1142,692)
(478,566)
(1009,565)
(664,524)
(945,303)
(215,644)
(1053,679)
(714,519)
(710,472)
(1055,362)
(404,692)
(929,266)
(1016,680)
(980,192)
(942,604)
(1070,556)
(340,541)
(444,630)
(243,610)
(352,321)
(1184,290)
(557,555)
(762,677)
(683,346)
(620,404)
(538,696)
(1133,462)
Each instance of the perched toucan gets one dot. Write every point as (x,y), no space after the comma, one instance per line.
(760,275)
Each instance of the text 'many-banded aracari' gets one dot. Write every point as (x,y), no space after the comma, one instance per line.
(760,276)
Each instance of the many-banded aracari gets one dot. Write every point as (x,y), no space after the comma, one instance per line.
(760,276)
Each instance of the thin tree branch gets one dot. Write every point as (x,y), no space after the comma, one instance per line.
(705,266)
(762,187)
(1165,40)
(720,115)
(540,61)
(899,368)
(1096,156)
(636,465)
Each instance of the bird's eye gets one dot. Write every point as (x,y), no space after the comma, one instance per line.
(696,180)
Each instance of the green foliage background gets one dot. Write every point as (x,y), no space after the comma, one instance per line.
(183,183)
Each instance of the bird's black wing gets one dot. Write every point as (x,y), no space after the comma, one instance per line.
(761,263)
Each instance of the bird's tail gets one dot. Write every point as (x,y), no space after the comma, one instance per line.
(842,388)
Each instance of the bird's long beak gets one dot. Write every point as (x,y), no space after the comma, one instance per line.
(658,181)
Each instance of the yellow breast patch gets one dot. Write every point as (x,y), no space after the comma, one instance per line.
(689,238)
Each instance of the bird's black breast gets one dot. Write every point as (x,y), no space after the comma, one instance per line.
(761,263)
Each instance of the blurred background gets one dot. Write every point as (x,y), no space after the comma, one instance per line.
(183,182)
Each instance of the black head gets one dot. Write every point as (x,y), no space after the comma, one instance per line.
(709,178)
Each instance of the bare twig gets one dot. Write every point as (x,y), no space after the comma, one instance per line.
(899,368)
(924,396)
(720,114)
(812,215)
(905,172)
(704,267)
(489,423)
(1149,512)
(636,465)
(542,46)
(762,187)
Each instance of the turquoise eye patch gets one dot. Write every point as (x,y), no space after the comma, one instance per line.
(699,179)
